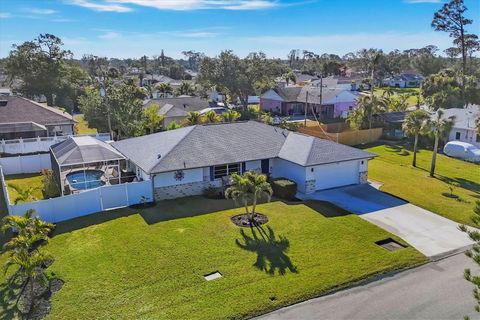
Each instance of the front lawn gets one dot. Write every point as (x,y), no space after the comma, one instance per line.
(412,92)
(24,181)
(149,264)
(393,168)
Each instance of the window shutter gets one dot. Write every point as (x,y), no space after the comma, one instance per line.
(211,174)
(244,167)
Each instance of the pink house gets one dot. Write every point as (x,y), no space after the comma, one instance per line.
(291,101)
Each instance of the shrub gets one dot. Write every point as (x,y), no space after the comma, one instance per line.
(212,193)
(284,188)
(50,188)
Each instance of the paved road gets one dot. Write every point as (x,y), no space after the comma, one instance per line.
(433,291)
(429,233)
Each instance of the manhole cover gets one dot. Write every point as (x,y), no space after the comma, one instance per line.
(390,244)
(212,276)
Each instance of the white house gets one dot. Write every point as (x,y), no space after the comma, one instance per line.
(185,161)
(464,128)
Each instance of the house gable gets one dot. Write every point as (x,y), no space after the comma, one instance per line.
(272,95)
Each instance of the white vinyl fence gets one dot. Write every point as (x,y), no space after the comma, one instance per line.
(87,202)
(25,164)
(39,144)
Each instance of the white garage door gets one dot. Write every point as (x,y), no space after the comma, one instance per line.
(336,175)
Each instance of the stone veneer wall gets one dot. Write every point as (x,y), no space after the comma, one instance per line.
(363,177)
(310,186)
(184,190)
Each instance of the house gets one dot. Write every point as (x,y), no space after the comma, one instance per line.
(23,118)
(404,80)
(392,123)
(151,79)
(464,128)
(177,109)
(185,161)
(291,101)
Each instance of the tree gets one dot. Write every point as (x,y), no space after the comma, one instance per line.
(41,65)
(23,194)
(439,127)
(173,126)
(249,187)
(164,88)
(450,18)
(186,89)
(426,61)
(397,103)
(442,91)
(413,126)
(193,118)
(212,117)
(152,120)
(289,76)
(24,251)
(230,115)
(474,253)
(368,106)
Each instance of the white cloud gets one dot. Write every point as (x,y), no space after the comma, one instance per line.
(106,6)
(178,5)
(40,11)
(108,35)
(5,15)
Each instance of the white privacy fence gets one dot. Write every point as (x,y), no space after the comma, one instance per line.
(39,144)
(87,202)
(25,164)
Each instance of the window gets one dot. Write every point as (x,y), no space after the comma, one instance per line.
(225,170)
(457,135)
(478,138)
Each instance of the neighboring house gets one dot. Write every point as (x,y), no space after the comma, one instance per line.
(177,109)
(464,124)
(291,101)
(404,80)
(392,123)
(185,161)
(151,79)
(23,118)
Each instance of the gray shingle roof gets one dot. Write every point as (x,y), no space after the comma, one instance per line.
(83,150)
(19,109)
(185,103)
(208,145)
(299,94)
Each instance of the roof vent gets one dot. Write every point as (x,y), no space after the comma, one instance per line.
(159,156)
(3,103)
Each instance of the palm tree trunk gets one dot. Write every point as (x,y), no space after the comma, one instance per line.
(254,205)
(434,156)
(21,291)
(245,204)
(414,163)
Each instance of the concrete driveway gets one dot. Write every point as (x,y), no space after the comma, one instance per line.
(429,233)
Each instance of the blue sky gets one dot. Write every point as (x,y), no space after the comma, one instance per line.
(131,28)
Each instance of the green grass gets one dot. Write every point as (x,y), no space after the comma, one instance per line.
(149,264)
(413,92)
(393,168)
(25,181)
(82,125)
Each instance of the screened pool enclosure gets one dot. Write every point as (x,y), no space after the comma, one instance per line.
(81,163)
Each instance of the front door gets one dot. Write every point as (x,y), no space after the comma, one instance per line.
(266,166)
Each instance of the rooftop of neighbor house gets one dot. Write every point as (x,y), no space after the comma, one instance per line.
(464,118)
(309,93)
(19,109)
(82,150)
(21,127)
(216,144)
(185,103)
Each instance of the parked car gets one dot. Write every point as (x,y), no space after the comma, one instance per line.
(462,150)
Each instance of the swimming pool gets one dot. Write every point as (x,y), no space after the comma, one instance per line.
(88,180)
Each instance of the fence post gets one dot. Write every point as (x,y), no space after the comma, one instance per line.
(126,193)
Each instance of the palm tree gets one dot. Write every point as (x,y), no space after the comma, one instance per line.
(289,76)
(186,89)
(388,92)
(23,194)
(193,118)
(250,185)
(231,115)
(370,105)
(164,88)
(173,125)
(439,127)
(413,125)
(212,117)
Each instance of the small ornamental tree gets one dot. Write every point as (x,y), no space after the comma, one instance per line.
(247,188)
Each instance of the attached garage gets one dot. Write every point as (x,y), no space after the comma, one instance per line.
(335,175)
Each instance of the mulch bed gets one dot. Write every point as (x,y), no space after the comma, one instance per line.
(243,220)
